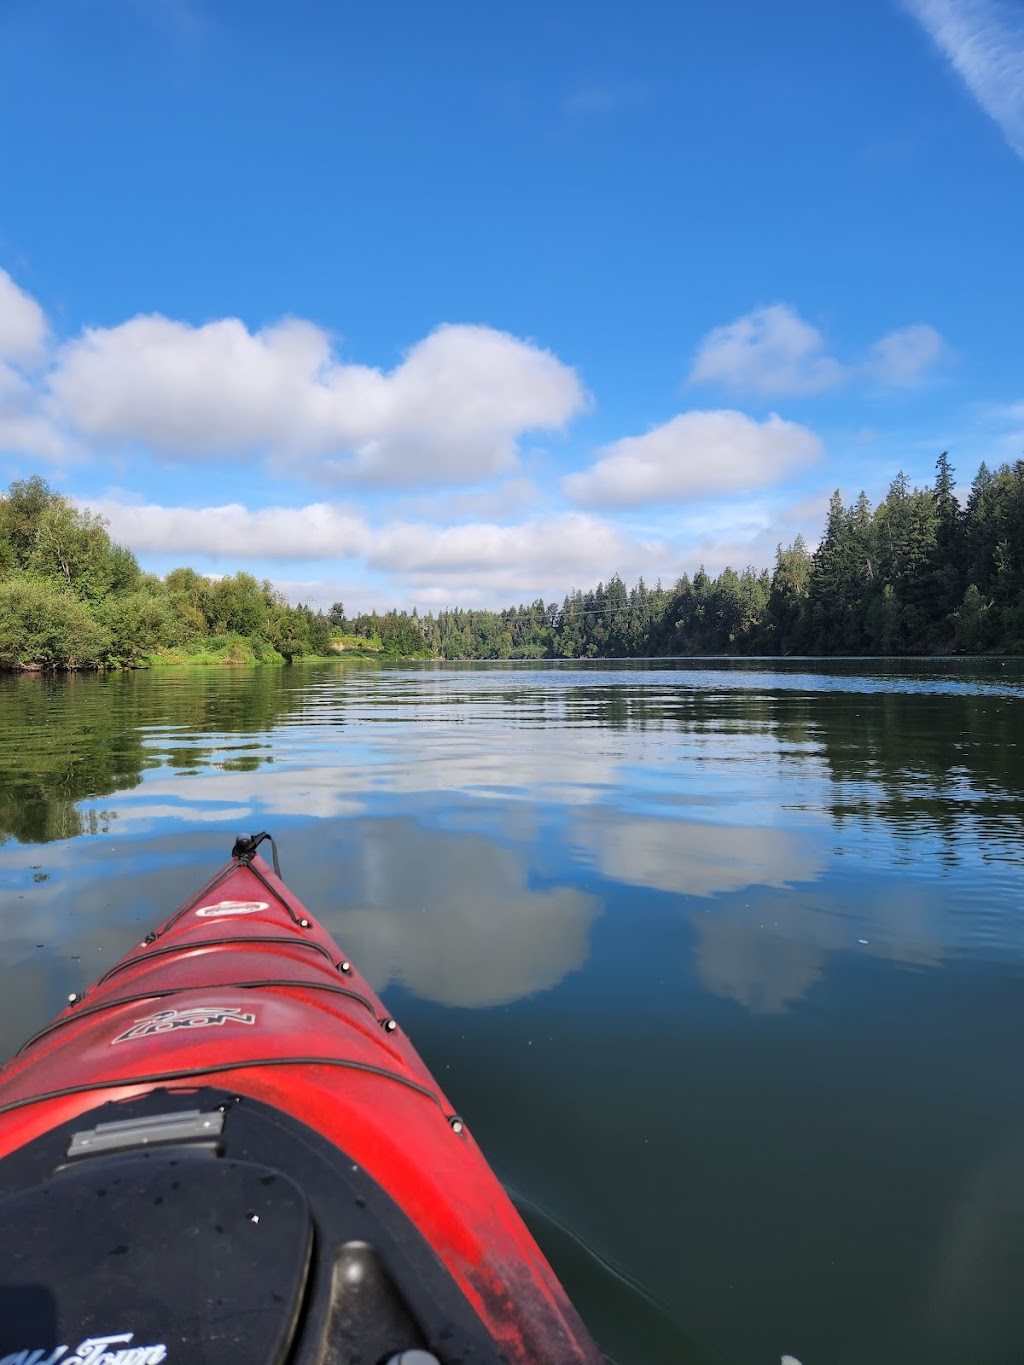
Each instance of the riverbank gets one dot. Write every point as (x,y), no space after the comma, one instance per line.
(223,651)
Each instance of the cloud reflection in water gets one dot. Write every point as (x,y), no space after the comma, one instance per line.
(453,918)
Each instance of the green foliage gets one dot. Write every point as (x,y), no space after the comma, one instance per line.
(787,598)
(43,627)
(137,623)
(73,548)
(232,649)
(20,513)
(70,598)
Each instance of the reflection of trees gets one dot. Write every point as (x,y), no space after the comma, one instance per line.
(946,764)
(61,743)
(949,766)
(77,737)
(936,773)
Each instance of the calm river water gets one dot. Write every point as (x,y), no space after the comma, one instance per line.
(722,960)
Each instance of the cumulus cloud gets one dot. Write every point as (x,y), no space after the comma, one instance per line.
(22,323)
(769,351)
(902,357)
(318,531)
(32,434)
(548,552)
(697,454)
(775,352)
(479,563)
(25,427)
(453,410)
(500,502)
(984,42)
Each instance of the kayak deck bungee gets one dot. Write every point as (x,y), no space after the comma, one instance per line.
(228,1150)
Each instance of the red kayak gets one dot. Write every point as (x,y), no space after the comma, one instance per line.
(226,1152)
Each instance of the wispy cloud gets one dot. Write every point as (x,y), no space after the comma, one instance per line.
(774,352)
(769,351)
(501,502)
(984,42)
(902,357)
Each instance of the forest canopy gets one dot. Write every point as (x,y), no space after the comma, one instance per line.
(920,573)
(71,598)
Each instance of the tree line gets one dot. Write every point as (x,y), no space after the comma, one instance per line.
(71,598)
(920,573)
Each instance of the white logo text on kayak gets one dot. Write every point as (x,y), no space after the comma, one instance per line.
(172,1021)
(112,1350)
(223,909)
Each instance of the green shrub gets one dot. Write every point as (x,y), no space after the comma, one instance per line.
(41,626)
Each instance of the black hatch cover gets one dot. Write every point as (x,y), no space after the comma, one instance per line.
(159,1255)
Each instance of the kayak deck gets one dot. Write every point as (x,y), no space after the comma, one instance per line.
(242,992)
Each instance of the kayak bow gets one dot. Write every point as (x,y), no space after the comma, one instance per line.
(227,1151)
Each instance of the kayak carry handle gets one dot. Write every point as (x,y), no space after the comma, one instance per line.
(246,845)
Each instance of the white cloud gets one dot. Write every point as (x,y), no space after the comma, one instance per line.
(31,434)
(547,555)
(453,410)
(25,429)
(769,351)
(23,327)
(503,500)
(901,357)
(318,531)
(477,564)
(984,42)
(774,351)
(697,454)
(1004,427)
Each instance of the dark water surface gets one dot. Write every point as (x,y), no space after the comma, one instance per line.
(723,961)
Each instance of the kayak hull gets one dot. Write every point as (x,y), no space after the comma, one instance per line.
(242,990)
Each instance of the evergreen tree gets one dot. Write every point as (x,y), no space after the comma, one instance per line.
(787,626)
(947,562)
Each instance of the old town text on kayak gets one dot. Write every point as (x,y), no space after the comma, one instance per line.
(112,1350)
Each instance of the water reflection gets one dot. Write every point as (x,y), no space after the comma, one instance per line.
(453,918)
(748,937)
(973,1304)
(767,954)
(68,740)
(920,753)
(694,857)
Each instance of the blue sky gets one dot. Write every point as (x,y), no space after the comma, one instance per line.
(467,304)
